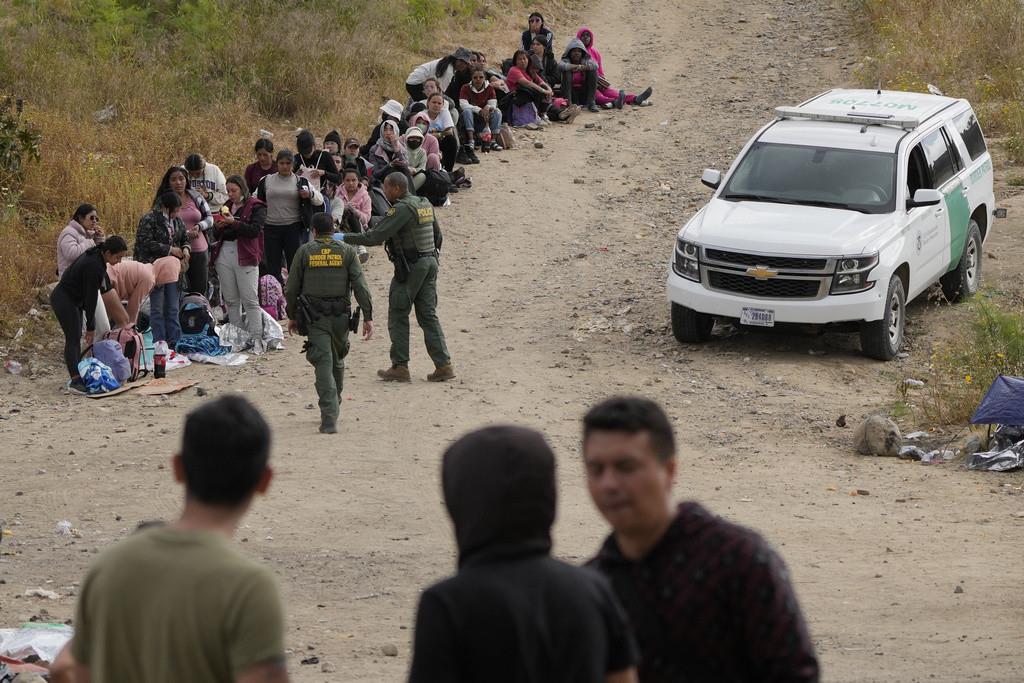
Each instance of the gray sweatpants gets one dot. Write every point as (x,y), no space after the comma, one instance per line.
(239,289)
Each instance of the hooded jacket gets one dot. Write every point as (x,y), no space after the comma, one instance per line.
(576,44)
(592,51)
(512,613)
(72,242)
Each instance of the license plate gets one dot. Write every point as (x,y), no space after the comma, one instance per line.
(760,317)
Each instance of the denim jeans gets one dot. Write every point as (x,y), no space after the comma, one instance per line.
(163,313)
(475,124)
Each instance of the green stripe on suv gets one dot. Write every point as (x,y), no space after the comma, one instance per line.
(959,213)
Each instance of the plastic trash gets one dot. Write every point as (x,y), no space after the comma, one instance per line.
(915,435)
(39,639)
(912,453)
(98,378)
(1005,436)
(1005,460)
(913,382)
(13,367)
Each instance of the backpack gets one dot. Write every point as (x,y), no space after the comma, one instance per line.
(195,316)
(378,202)
(436,186)
(132,346)
(110,353)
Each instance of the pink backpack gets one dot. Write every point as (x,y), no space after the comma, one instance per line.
(133,346)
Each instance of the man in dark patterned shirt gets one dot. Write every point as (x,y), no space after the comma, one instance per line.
(708,601)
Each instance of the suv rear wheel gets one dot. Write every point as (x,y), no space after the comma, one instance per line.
(882,339)
(689,326)
(962,282)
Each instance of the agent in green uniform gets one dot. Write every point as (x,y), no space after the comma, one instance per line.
(413,237)
(322,276)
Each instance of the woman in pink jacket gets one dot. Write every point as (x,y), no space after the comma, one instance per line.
(133,281)
(607,96)
(84,232)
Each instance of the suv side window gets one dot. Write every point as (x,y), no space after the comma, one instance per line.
(970,130)
(941,162)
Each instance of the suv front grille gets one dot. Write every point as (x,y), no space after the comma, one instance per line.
(776,288)
(777,262)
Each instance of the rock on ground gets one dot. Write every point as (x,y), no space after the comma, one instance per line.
(877,435)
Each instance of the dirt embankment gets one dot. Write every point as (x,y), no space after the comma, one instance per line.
(552,290)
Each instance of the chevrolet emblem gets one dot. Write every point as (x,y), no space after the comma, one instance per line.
(762,272)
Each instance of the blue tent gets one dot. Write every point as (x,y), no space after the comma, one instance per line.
(1003,404)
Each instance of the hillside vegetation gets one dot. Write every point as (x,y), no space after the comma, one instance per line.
(196,75)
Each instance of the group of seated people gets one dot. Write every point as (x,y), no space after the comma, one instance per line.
(232,238)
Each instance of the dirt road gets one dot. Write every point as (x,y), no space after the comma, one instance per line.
(553,297)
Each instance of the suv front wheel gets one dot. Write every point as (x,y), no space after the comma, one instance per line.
(882,339)
(689,326)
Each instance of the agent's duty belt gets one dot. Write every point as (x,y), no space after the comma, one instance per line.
(423,254)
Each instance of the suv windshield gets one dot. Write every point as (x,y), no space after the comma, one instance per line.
(815,176)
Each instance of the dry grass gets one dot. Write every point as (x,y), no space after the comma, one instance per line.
(972,49)
(204,77)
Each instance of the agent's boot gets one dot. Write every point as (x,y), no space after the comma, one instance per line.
(443,373)
(396,373)
(327,427)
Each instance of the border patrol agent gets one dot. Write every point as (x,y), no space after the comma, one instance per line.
(413,238)
(321,277)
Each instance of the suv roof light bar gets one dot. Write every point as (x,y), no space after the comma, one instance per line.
(860,118)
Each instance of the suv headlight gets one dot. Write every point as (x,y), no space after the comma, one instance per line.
(852,274)
(687,260)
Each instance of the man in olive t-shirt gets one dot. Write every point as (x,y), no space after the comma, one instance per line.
(180,603)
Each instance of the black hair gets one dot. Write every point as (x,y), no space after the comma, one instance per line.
(515,57)
(633,414)
(350,168)
(224,450)
(167,200)
(263,268)
(264,143)
(165,183)
(114,244)
(322,223)
(305,142)
(397,179)
(479,70)
(436,94)
(539,38)
(285,154)
(82,211)
(442,66)
(240,182)
(194,162)
(538,15)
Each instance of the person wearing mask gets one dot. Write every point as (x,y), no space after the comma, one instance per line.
(512,612)
(161,233)
(81,233)
(80,287)
(206,179)
(443,129)
(392,111)
(240,231)
(351,156)
(263,166)
(579,75)
(132,281)
(666,562)
(443,69)
(480,114)
(181,602)
(195,213)
(605,95)
(315,165)
(290,200)
(388,155)
(535,27)
(418,157)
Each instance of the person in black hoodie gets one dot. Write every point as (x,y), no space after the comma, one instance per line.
(317,165)
(512,613)
(80,286)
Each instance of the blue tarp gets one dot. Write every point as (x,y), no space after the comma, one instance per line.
(1003,404)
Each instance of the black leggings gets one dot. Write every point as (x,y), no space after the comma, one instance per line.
(415,92)
(583,95)
(281,240)
(69,315)
(524,96)
(449,145)
(199,272)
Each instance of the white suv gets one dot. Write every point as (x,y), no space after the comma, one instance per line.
(839,211)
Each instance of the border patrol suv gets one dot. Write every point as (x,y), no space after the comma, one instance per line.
(839,211)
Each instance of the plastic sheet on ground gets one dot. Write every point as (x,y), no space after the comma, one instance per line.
(1006,460)
(239,338)
(226,359)
(42,640)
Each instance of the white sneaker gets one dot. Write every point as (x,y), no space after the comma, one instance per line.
(608,105)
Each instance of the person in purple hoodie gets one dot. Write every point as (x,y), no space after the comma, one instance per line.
(239,230)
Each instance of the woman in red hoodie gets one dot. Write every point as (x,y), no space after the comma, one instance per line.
(239,227)
(607,96)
